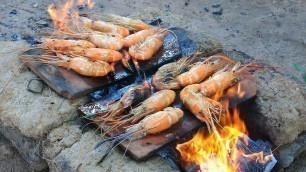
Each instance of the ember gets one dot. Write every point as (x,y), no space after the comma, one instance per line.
(228,150)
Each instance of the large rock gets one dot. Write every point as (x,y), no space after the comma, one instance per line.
(26,117)
(279,111)
(67,149)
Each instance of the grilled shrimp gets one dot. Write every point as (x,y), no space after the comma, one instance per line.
(152,124)
(106,41)
(164,78)
(155,103)
(222,80)
(81,65)
(196,97)
(139,36)
(62,44)
(148,48)
(202,70)
(131,24)
(106,55)
(105,27)
(132,96)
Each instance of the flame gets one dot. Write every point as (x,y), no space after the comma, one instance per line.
(63,14)
(220,153)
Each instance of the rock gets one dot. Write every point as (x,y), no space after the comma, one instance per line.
(26,117)
(16,37)
(218,11)
(30,149)
(206,9)
(10,160)
(13,12)
(285,154)
(42,23)
(35,5)
(279,110)
(80,155)
(216,5)
(299,164)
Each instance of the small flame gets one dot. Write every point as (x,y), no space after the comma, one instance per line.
(62,15)
(220,153)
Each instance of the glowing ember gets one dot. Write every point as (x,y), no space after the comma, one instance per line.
(212,152)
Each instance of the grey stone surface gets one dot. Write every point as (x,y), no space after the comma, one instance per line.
(299,164)
(29,148)
(68,149)
(10,159)
(280,111)
(286,154)
(26,117)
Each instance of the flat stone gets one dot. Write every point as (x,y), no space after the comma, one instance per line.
(79,154)
(26,117)
(31,113)
(279,111)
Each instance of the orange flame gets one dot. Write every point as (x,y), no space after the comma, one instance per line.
(220,153)
(63,14)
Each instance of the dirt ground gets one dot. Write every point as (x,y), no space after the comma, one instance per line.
(269,30)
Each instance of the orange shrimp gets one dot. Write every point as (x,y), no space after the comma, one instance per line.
(138,37)
(129,23)
(148,48)
(105,27)
(155,123)
(80,65)
(196,97)
(106,41)
(106,55)
(155,103)
(62,44)
(151,124)
(164,78)
(222,80)
(202,70)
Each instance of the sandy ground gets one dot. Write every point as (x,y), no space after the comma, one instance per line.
(270,30)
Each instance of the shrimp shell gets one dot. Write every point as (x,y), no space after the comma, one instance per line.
(105,27)
(202,71)
(85,67)
(156,122)
(148,48)
(106,42)
(62,44)
(129,23)
(106,55)
(138,37)
(155,103)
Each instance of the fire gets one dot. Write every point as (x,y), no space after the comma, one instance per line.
(212,152)
(61,14)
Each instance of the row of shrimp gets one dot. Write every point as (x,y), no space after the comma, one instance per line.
(199,81)
(93,47)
